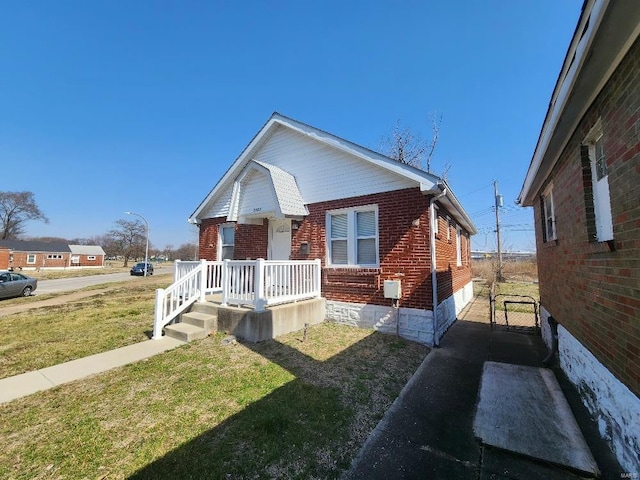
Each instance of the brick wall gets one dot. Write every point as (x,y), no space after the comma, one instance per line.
(41,260)
(593,288)
(403,222)
(251,241)
(4,258)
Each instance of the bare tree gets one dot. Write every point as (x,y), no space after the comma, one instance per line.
(187,251)
(168,251)
(127,239)
(16,209)
(408,147)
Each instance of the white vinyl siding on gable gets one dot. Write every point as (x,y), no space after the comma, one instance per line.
(352,237)
(324,173)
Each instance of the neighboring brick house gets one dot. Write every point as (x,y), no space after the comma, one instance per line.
(35,255)
(86,256)
(31,255)
(299,193)
(583,183)
(4,258)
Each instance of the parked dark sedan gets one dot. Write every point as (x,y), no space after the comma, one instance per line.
(138,269)
(15,284)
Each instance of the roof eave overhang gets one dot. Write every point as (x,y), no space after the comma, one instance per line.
(612,26)
(453,205)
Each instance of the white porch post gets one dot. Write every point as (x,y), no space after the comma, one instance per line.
(159,314)
(203,279)
(176,267)
(260,300)
(317,277)
(226,282)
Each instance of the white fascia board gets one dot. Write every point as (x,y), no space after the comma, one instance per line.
(593,12)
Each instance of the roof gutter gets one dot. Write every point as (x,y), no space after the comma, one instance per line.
(432,249)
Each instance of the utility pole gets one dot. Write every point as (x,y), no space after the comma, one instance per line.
(499,203)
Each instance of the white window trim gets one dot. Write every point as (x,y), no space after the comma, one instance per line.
(547,199)
(458,246)
(436,216)
(91,257)
(448,220)
(600,188)
(352,240)
(31,258)
(220,243)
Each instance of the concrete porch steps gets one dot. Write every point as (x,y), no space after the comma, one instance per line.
(194,325)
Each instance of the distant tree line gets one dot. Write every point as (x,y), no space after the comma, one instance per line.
(125,241)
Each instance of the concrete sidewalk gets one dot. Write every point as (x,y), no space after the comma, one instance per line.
(428,431)
(31,382)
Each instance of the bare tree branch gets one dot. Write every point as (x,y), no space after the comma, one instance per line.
(408,147)
(16,209)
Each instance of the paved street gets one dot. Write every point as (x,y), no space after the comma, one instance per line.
(75,283)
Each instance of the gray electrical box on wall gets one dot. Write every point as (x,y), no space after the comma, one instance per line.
(392,289)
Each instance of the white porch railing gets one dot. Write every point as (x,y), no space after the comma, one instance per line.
(254,283)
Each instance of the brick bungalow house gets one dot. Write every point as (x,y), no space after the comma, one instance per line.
(299,193)
(34,254)
(31,255)
(583,183)
(4,257)
(86,256)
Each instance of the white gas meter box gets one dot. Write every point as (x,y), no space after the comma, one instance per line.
(392,289)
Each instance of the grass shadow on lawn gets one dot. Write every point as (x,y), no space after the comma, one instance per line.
(310,427)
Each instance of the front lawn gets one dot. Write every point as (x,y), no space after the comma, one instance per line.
(278,409)
(42,337)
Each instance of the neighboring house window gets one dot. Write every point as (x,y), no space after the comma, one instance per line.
(458,247)
(91,257)
(352,236)
(600,184)
(548,215)
(31,258)
(227,241)
(436,219)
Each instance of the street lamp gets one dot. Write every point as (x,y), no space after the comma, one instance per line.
(146,250)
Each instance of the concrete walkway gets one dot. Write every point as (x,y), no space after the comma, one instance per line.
(428,432)
(18,386)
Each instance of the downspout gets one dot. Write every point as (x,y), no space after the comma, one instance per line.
(432,249)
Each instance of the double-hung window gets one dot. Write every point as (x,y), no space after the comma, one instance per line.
(31,258)
(227,241)
(548,215)
(352,236)
(600,183)
(458,247)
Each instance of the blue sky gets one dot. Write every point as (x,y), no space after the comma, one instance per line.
(109,106)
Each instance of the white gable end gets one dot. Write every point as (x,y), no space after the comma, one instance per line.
(305,165)
(324,173)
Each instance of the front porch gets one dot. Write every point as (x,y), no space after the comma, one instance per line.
(252,299)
